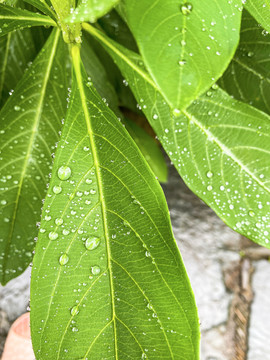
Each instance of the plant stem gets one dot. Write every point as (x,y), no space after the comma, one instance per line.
(71,32)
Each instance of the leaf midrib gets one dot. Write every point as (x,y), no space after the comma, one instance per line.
(30,147)
(77,68)
(42,18)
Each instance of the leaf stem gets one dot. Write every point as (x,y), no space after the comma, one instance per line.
(71,32)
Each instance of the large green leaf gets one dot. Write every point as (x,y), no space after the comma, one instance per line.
(149,148)
(219,146)
(248,76)
(30,121)
(16,51)
(260,9)
(108,281)
(91,10)
(186,46)
(12,18)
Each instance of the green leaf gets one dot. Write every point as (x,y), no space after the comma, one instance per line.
(260,10)
(30,121)
(16,51)
(248,76)
(91,10)
(12,19)
(42,6)
(185,46)
(219,146)
(149,148)
(108,281)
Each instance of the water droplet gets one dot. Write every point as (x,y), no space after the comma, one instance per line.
(182,62)
(88,181)
(53,235)
(57,189)
(92,243)
(3,202)
(209,188)
(95,270)
(176,112)
(17,108)
(251,213)
(63,260)
(209,174)
(65,232)
(92,191)
(59,221)
(74,311)
(250,54)
(64,172)
(186,8)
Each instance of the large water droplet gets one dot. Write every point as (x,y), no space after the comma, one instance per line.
(186,8)
(64,172)
(63,260)
(95,270)
(53,235)
(74,311)
(57,189)
(17,108)
(59,221)
(251,213)
(92,243)
(209,174)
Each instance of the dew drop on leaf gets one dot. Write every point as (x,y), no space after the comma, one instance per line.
(95,270)
(182,62)
(57,189)
(186,8)
(64,173)
(63,260)
(92,243)
(53,235)
(251,213)
(74,311)
(58,221)
(209,174)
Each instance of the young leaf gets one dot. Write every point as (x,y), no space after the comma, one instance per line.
(91,10)
(186,46)
(219,146)
(260,10)
(108,281)
(17,50)
(13,18)
(248,76)
(30,121)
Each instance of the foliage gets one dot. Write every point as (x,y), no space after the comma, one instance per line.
(90,92)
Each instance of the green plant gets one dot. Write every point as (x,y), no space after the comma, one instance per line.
(107,280)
